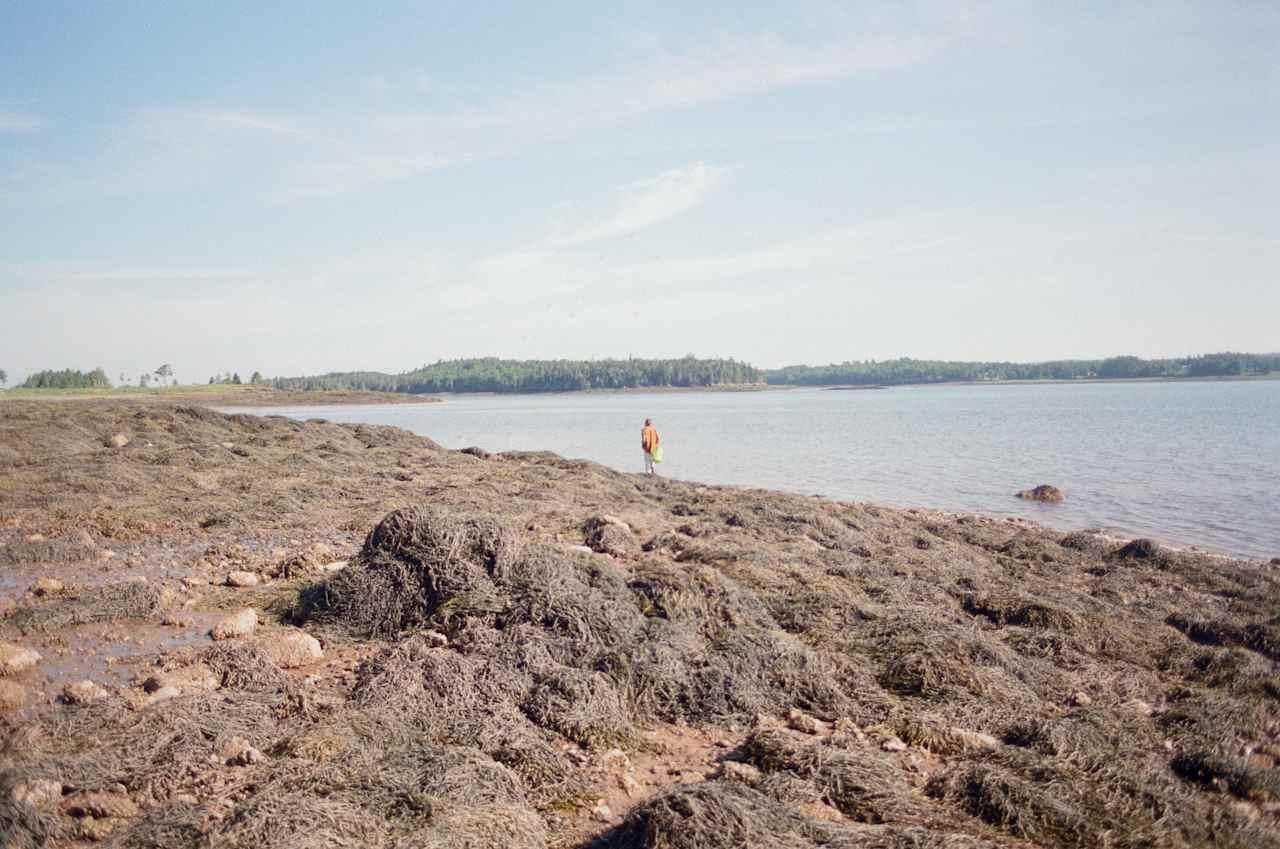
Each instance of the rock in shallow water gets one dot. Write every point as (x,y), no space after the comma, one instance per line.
(83,693)
(1047,493)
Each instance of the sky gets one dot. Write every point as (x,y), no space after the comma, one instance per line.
(335,186)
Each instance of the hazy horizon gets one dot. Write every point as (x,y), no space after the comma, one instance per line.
(324,188)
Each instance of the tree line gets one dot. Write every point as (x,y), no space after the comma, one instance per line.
(906,370)
(496,375)
(68,379)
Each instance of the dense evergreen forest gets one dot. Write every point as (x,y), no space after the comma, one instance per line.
(68,379)
(495,375)
(892,372)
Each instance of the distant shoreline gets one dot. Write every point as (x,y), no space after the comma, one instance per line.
(218,395)
(249,396)
(1242,378)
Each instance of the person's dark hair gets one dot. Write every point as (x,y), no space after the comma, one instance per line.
(648,422)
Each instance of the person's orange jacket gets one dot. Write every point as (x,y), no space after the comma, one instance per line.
(649,438)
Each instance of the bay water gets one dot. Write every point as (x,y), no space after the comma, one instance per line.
(1187,463)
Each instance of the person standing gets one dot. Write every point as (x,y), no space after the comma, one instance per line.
(649,442)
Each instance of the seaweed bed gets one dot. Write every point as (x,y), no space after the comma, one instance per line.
(888,678)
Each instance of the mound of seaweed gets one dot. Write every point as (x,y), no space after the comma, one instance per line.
(1047,710)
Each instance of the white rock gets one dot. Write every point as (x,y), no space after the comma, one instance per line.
(893,744)
(242,579)
(15,659)
(601,812)
(118,440)
(162,695)
(336,566)
(240,624)
(39,793)
(293,648)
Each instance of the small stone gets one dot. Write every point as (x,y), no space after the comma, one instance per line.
(1080,699)
(39,793)
(94,829)
(437,639)
(46,587)
(601,812)
(336,566)
(15,659)
(196,678)
(615,759)
(118,440)
(12,696)
(99,805)
(238,752)
(35,537)
(893,744)
(242,579)
(1246,810)
(192,581)
(801,721)
(294,648)
(83,693)
(162,695)
(240,624)
(745,773)
(173,620)
(629,785)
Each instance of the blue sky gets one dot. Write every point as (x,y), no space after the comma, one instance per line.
(327,186)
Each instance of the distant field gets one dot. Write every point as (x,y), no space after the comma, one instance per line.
(223,395)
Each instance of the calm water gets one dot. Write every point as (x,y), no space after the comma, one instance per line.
(1186,463)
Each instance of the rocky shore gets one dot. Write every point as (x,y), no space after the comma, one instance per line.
(232,631)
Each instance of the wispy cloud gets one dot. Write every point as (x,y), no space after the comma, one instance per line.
(726,67)
(350,148)
(647,202)
(14,122)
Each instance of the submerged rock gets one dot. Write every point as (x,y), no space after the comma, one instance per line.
(1044,492)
